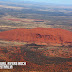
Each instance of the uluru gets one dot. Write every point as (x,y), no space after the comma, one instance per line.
(38,35)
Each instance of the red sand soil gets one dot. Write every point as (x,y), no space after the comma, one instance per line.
(24,21)
(14,19)
(38,35)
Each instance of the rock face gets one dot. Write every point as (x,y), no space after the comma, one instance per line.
(38,35)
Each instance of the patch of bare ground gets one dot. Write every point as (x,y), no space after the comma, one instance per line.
(11,43)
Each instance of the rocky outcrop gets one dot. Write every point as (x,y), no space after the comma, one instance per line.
(39,35)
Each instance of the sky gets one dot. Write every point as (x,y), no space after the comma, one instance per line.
(53,1)
(68,2)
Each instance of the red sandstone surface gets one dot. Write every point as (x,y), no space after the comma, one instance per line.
(38,35)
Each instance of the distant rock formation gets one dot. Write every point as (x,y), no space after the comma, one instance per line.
(52,36)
